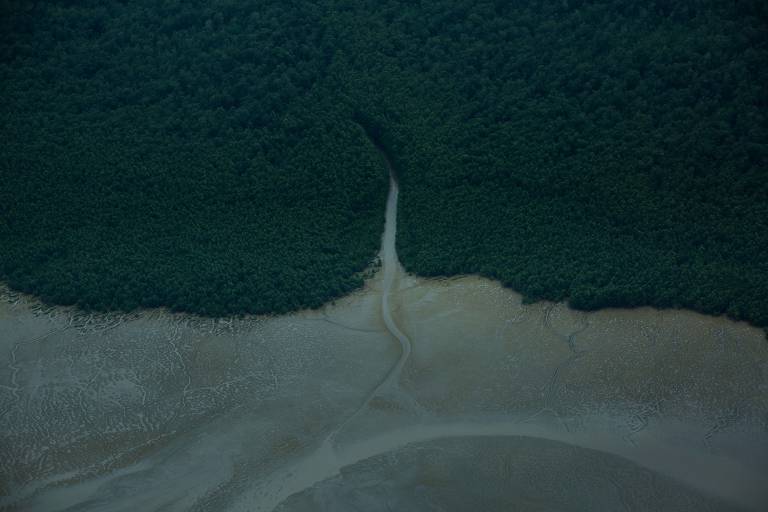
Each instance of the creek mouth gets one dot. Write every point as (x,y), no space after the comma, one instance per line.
(391,270)
(306,484)
(408,394)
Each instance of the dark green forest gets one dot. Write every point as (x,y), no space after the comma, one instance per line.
(212,156)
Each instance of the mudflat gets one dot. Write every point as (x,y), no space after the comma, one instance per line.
(410,394)
(155,410)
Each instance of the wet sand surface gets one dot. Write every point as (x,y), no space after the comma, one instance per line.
(410,394)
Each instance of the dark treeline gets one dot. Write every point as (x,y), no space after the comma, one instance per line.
(181,153)
(211,156)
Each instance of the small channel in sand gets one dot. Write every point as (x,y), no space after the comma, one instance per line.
(410,394)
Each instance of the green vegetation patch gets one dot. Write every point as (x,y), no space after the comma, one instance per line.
(185,154)
(210,155)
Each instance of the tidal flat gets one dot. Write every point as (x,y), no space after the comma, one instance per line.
(499,405)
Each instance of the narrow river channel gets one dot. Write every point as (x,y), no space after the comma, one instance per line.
(410,394)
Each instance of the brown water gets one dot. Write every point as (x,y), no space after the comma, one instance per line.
(411,394)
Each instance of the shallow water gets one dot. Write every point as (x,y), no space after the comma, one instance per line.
(410,394)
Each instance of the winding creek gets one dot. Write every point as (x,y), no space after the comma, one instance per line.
(410,394)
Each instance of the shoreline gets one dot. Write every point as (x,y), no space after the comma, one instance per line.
(312,370)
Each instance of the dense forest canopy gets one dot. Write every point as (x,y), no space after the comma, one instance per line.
(213,157)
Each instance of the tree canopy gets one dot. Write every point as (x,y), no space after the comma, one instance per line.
(209,156)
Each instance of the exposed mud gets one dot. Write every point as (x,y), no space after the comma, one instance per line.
(411,394)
